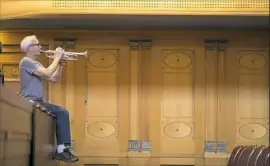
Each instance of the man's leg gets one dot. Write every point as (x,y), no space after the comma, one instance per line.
(62,131)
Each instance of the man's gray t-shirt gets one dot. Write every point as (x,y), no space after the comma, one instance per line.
(31,85)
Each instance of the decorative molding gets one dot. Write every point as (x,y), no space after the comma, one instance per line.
(133,145)
(143,7)
(101,129)
(212,44)
(210,146)
(145,146)
(10,71)
(222,45)
(252,60)
(202,5)
(222,146)
(67,43)
(177,130)
(216,146)
(103,58)
(177,59)
(146,43)
(134,43)
(252,131)
(140,42)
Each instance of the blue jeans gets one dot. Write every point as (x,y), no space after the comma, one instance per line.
(61,115)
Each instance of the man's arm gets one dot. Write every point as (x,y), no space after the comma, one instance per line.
(49,71)
(57,74)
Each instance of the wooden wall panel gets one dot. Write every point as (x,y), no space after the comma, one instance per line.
(173,93)
(102,108)
(177,100)
(249,104)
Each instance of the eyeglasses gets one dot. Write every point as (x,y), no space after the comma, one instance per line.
(37,44)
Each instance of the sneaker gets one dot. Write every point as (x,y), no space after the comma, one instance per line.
(66,156)
(70,148)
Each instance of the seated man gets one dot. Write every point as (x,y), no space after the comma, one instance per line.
(31,74)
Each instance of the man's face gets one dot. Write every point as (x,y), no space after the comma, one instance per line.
(35,47)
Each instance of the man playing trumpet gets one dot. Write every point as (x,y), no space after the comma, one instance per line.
(31,75)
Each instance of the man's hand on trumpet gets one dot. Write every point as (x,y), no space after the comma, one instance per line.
(59,53)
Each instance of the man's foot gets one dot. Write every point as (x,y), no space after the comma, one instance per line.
(66,156)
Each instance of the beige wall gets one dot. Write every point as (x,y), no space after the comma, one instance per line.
(175,93)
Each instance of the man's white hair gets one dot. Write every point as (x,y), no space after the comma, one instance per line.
(27,41)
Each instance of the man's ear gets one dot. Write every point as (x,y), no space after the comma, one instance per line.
(29,48)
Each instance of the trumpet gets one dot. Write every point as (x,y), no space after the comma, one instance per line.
(69,56)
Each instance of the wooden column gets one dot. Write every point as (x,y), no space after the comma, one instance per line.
(139,80)
(222,106)
(146,74)
(215,98)
(211,94)
(134,89)
(145,144)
